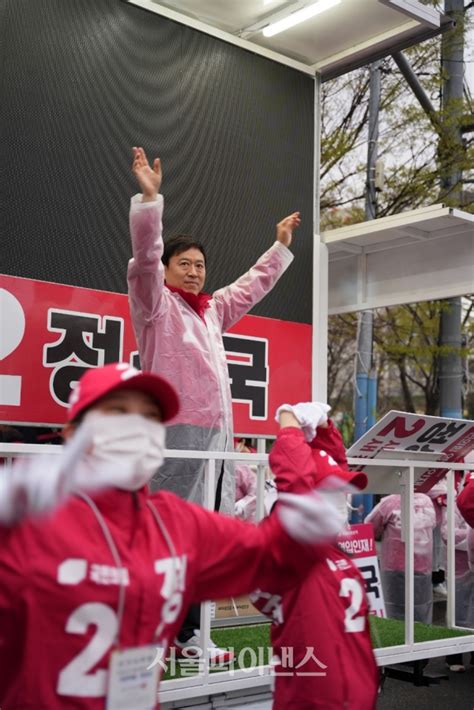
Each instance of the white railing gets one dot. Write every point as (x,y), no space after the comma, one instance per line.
(207,682)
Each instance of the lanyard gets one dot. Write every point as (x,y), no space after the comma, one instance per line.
(118,562)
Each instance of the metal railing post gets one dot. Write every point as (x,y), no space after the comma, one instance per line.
(205,635)
(450,572)
(260,506)
(407,500)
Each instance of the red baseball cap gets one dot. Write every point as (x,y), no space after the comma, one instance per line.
(99,381)
(327,468)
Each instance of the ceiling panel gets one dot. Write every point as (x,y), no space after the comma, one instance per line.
(351,32)
(419,255)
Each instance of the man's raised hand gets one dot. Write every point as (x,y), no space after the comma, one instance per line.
(148,178)
(285,228)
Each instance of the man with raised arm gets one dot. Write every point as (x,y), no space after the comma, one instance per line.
(179,330)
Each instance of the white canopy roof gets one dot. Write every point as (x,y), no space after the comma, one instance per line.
(419,255)
(348,34)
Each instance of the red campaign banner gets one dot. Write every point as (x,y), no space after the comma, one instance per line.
(51,333)
(358,540)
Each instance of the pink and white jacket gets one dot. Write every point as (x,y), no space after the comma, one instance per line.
(386,519)
(187,350)
(463,543)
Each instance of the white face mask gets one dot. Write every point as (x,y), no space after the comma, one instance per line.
(129,446)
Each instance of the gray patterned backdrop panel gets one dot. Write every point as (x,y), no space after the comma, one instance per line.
(84,80)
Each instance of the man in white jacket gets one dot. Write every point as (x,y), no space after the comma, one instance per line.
(179,332)
(179,329)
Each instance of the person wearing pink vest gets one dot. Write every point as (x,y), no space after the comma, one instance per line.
(320,634)
(464,579)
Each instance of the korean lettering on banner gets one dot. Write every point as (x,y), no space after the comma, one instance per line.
(84,340)
(358,542)
(247,361)
(51,334)
(402,431)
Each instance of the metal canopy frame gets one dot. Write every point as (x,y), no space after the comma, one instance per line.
(419,255)
(345,37)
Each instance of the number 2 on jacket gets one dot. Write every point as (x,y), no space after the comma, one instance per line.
(351,589)
(76,679)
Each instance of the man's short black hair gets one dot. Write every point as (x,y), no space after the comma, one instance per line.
(178,244)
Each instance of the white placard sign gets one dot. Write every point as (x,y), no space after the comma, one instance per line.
(447,439)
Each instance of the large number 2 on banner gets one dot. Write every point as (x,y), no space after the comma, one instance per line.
(352,589)
(12,319)
(75,679)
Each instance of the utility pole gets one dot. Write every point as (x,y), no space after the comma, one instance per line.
(451,153)
(365,390)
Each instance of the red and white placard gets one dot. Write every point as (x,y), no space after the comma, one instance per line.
(358,542)
(402,431)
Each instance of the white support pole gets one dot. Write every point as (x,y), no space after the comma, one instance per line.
(407,508)
(320,271)
(260,511)
(450,572)
(319,380)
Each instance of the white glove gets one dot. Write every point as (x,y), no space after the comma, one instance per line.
(246,507)
(239,508)
(310,415)
(309,518)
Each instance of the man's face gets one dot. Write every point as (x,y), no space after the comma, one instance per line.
(187,271)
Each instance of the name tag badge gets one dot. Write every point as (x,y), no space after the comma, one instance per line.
(133,679)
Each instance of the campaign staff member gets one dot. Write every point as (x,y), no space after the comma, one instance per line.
(320,632)
(387,521)
(90,594)
(465,499)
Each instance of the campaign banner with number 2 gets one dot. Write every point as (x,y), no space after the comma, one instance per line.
(52,333)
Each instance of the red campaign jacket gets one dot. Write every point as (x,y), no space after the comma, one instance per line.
(291,458)
(321,627)
(465,503)
(59,589)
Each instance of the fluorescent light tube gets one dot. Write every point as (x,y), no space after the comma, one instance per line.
(299,16)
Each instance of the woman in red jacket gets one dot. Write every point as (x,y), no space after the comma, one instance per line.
(320,632)
(92,595)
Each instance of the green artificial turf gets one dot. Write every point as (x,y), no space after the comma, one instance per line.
(391,632)
(385,632)
(251,643)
